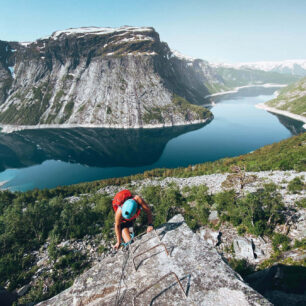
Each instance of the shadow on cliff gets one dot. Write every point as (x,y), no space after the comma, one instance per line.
(281,284)
(92,147)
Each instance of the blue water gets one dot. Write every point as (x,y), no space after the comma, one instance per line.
(49,158)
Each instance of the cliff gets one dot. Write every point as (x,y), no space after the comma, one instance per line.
(206,279)
(123,77)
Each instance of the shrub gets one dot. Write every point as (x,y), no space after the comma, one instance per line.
(280,240)
(241,266)
(296,185)
(301,203)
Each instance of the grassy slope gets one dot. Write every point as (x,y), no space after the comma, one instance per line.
(292,98)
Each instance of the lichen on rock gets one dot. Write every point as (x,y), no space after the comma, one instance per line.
(206,279)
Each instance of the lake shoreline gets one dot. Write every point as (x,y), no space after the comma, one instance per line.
(236,89)
(6,128)
(282,112)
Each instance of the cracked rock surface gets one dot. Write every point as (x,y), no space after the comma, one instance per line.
(205,277)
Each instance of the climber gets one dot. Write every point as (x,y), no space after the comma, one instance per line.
(127,208)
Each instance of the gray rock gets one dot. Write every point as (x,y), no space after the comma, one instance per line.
(23,290)
(205,277)
(213,216)
(243,248)
(210,236)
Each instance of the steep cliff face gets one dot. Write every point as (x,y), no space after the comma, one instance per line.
(124,77)
(205,278)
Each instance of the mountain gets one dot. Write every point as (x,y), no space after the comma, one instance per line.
(294,67)
(242,76)
(203,275)
(291,99)
(111,77)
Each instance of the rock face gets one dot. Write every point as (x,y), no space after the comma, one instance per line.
(205,277)
(124,77)
(282,285)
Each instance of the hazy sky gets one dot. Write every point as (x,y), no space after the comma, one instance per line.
(216,30)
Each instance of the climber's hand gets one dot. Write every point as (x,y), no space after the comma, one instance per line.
(117,246)
(149,229)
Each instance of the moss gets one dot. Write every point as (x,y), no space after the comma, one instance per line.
(153,115)
(108,110)
(68,77)
(188,109)
(82,108)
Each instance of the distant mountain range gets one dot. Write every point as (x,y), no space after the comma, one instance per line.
(294,67)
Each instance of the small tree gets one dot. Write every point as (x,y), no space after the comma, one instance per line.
(238,179)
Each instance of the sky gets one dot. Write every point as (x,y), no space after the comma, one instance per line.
(230,31)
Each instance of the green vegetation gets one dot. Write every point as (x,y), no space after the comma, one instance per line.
(29,219)
(241,266)
(296,185)
(56,106)
(108,110)
(258,213)
(187,109)
(292,98)
(179,106)
(281,244)
(30,112)
(216,87)
(67,111)
(153,115)
(301,203)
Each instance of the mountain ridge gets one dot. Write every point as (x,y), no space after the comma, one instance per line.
(108,77)
(123,77)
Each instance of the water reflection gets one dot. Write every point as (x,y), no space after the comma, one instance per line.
(92,147)
(252,91)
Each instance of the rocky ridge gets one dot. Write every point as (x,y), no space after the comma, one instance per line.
(222,237)
(295,67)
(205,277)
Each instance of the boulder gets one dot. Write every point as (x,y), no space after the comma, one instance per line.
(213,217)
(210,236)
(243,248)
(203,278)
(23,290)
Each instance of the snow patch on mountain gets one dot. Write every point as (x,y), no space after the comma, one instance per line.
(293,66)
(97,31)
(182,56)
